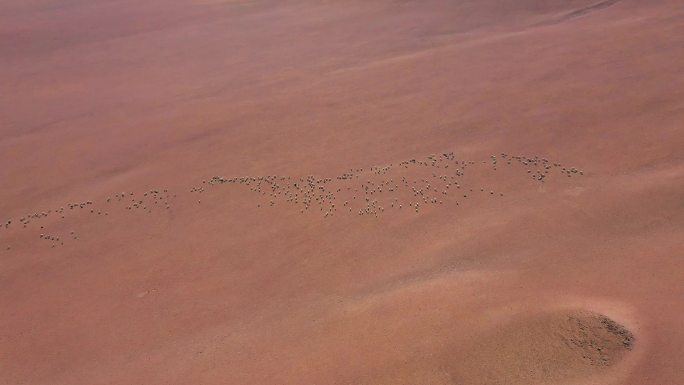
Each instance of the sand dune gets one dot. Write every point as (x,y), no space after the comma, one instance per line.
(349,192)
(545,348)
(565,347)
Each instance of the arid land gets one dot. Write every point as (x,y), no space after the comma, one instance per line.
(341,192)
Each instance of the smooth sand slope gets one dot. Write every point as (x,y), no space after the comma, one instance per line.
(341,192)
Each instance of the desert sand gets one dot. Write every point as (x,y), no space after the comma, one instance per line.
(341,192)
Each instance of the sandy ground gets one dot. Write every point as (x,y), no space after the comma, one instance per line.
(224,192)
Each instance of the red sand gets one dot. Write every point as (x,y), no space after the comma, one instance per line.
(103,97)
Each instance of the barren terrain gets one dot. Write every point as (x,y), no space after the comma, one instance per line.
(341,192)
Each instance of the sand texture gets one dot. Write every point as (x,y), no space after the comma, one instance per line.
(345,192)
